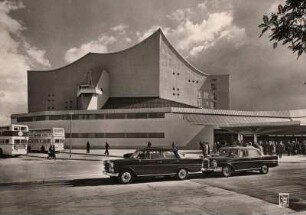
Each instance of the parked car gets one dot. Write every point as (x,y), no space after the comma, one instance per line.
(237,159)
(151,161)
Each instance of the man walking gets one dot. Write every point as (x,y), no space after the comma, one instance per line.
(106,149)
(88,147)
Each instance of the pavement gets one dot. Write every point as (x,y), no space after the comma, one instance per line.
(35,168)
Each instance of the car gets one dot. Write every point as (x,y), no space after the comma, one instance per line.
(238,159)
(152,162)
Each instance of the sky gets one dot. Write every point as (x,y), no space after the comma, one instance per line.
(216,36)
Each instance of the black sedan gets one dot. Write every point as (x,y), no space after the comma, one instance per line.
(237,159)
(151,161)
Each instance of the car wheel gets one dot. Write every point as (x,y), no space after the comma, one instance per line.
(182,174)
(227,171)
(264,169)
(42,149)
(29,149)
(1,152)
(126,177)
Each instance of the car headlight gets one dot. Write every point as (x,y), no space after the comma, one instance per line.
(214,164)
(109,166)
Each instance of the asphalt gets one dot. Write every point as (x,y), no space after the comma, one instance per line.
(35,168)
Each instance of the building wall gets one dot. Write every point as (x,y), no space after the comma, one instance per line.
(174,127)
(220,91)
(178,81)
(132,73)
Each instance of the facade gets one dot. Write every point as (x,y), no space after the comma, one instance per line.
(148,92)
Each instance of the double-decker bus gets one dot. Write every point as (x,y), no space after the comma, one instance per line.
(13,140)
(42,139)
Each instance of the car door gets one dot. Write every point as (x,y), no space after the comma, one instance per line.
(169,162)
(255,158)
(241,161)
(151,163)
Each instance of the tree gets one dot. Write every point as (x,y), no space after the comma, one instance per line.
(287,26)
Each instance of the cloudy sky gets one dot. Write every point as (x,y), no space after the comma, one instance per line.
(216,36)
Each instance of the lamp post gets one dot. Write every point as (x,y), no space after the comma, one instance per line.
(70,136)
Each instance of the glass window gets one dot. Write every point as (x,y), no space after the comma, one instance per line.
(168,155)
(154,154)
(254,153)
(17,141)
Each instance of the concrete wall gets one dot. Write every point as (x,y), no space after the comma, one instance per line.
(174,126)
(132,73)
(222,91)
(178,81)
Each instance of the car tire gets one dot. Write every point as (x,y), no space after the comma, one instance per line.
(29,149)
(226,171)
(1,152)
(182,174)
(126,177)
(42,149)
(264,169)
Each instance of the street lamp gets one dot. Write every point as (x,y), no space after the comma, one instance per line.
(70,136)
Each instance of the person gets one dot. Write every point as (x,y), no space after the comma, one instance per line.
(206,149)
(149,144)
(88,147)
(173,146)
(202,147)
(50,152)
(106,148)
(53,152)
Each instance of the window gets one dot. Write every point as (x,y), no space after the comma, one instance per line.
(173,94)
(253,153)
(168,155)
(154,155)
(17,141)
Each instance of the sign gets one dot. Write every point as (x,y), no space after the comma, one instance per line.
(20,133)
(283,200)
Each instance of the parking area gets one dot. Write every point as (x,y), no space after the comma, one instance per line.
(76,185)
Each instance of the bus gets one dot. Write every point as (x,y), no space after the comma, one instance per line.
(42,139)
(13,140)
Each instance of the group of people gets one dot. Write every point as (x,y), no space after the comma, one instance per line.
(106,152)
(51,152)
(271,147)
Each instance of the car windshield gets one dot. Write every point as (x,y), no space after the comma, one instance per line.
(229,152)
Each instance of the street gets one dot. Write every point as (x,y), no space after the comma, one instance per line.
(81,192)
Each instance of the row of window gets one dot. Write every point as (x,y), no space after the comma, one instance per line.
(117,135)
(92,116)
(13,133)
(17,141)
(193,81)
(176,73)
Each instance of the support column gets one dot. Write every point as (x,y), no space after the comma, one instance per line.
(255,138)
(240,138)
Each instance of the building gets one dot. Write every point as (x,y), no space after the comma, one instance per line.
(148,92)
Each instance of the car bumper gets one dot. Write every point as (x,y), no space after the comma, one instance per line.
(111,174)
(218,169)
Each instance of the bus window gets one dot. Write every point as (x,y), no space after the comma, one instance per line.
(16,128)
(16,141)
(23,128)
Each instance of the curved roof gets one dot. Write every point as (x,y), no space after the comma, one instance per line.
(161,36)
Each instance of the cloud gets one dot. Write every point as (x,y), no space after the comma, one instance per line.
(120,28)
(99,46)
(16,57)
(146,33)
(177,15)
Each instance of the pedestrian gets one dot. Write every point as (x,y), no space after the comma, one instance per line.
(88,147)
(50,152)
(149,144)
(202,147)
(206,149)
(106,148)
(53,152)
(173,146)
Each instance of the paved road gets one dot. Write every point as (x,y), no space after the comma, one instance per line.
(287,178)
(248,193)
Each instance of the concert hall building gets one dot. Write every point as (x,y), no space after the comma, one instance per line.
(147,92)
